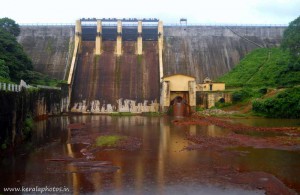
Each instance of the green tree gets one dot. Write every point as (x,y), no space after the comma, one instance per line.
(285,104)
(10,26)
(11,52)
(291,42)
(4,70)
(14,62)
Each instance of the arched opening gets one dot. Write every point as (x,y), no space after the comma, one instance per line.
(222,100)
(179,107)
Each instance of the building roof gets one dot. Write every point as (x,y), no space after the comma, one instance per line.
(178,75)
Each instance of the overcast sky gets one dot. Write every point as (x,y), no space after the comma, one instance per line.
(170,11)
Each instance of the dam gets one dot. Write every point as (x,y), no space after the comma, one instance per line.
(110,60)
(116,60)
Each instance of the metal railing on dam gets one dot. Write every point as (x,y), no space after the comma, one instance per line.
(224,24)
(166,24)
(17,88)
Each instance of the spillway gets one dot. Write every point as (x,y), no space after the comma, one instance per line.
(108,77)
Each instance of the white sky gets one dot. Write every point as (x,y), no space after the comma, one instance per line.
(170,11)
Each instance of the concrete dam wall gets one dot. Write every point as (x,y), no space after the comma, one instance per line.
(49,47)
(122,72)
(198,51)
(211,51)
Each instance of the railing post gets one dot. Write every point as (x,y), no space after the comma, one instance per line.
(99,37)
(119,38)
(140,39)
(160,48)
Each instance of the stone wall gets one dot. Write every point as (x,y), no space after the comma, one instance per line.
(16,107)
(208,99)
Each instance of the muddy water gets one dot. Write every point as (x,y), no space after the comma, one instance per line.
(161,166)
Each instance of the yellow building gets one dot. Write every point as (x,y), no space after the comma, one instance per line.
(205,94)
(178,85)
(209,85)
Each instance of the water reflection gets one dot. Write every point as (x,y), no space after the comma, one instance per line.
(159,164)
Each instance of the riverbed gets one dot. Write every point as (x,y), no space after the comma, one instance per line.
(162,164)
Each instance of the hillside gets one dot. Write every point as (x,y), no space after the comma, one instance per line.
(255,79)
(265,67)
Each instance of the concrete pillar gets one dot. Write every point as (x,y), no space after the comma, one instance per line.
(160,48)
(4,86)
(192,94)
(119,38)
(78,32)
(165,95)
(77,45)
(140,39)
(210,100)
(99,37)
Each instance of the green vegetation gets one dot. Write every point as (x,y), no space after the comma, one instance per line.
(139,59)
(4,71)
(270,67)
(247,93)
(219,105)
(267,67)
(14,63)
(285,104)
(5,144)
(122,114)
(291,43)
(108,140)
(10,26)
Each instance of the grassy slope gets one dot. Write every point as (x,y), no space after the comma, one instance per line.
(262,67)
